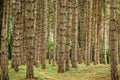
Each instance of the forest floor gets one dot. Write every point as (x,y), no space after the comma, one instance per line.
(83,72)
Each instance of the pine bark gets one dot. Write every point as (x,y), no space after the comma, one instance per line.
(61,43)
(96,36)
(16,36)
(55,32)
(105,32)
(89,30)
(68,34)
(43,36)
(74,33)
(113,40)
(23,54)
(3,47)
(30,37)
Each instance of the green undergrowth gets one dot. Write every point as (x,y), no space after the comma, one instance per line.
(22,74)
(83,72)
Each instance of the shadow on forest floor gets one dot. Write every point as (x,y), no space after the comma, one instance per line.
(92,72)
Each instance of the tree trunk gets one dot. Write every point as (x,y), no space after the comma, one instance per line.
(4,54)
(89,2)
(43,36)
(96,32)
(74,33)
(113,40)
(24,44)
(29,36)
(61,43)
(105,32)
(68,34)
(16,36)
(55,32)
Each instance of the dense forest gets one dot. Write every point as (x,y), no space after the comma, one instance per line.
(59,39)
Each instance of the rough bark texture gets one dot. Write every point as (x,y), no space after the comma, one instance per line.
(23,54)
(113,40)
(37,28)
(43,36)
(105,32)
(3,48)
(68,34)
(61,44)
(96,37)
(55,32)
(74,33)
(16,36)
(81,32)
(1,16)
(89,30)
(29,36)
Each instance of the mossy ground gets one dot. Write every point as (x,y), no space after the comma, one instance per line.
(83,72)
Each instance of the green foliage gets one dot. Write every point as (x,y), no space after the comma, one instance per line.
(22,72)
(83,72)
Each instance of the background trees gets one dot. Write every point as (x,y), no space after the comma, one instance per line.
(64,31)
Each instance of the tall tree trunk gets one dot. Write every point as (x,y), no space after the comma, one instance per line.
(74,33)
(81,32)
(38,27)
(16,36)
(68,34)
(113,40)
(105,32)
(43,37)
(96,32)
(89,30)
(24,44)
(30,31)
(61,44)
(1,17)
(3,48)
(55,32)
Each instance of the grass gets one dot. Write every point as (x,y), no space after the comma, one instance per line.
(22,74)
(83,72)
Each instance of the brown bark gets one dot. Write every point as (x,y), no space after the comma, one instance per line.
(23,54)
(4,54)
(68,35)
(74,33)
(89,18)
(43,35)
(81,32)
(29,37)
(113,41)
(16,36)
(96,37)
(105,32)
(1,17)
(61,43)
(55,32)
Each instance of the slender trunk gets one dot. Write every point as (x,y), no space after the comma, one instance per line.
(74,33)
(55,32)
(89,30)
(68,35)
(29,37)
(104,33)
(61,43)
(113,41)
(96,37)
(16,36)
(24,44)
(4,53)
(43,37)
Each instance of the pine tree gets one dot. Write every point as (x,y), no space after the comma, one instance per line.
(113,41)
